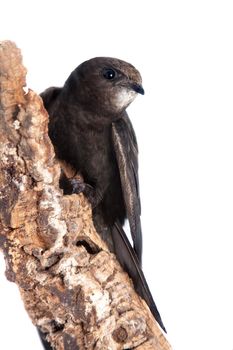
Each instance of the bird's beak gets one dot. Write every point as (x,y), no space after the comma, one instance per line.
(138,88)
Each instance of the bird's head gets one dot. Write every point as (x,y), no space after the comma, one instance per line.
(105,84)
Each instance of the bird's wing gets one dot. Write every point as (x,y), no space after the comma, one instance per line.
(129,261)
(49,97)
(126,150)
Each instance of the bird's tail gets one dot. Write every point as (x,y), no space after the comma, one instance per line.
(130,263)
(44,342)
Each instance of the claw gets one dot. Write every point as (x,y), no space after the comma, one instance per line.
(77,186)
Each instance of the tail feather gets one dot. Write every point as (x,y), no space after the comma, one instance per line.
(44,342)
(130,263)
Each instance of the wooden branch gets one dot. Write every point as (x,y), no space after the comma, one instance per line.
(72,287)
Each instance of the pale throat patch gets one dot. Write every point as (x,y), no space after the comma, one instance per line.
(125,97)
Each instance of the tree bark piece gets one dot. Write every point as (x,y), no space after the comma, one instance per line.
(72,287)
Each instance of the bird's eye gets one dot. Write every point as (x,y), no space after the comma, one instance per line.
(109,73)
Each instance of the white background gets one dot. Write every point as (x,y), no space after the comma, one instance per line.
(183,50)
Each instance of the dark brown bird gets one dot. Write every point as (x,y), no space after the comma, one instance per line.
(92,132)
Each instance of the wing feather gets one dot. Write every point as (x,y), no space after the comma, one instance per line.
(129,261)
(126,150)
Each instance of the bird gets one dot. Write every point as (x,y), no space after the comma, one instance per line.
(92,133)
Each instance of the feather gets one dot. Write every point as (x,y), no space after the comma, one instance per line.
(130,263)
(126,151)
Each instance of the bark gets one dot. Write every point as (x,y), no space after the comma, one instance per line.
(72,287)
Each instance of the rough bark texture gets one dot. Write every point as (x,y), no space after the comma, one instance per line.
(71,285)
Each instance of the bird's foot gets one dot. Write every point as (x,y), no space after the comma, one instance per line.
(77,185)
(93,196)
(72,185)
